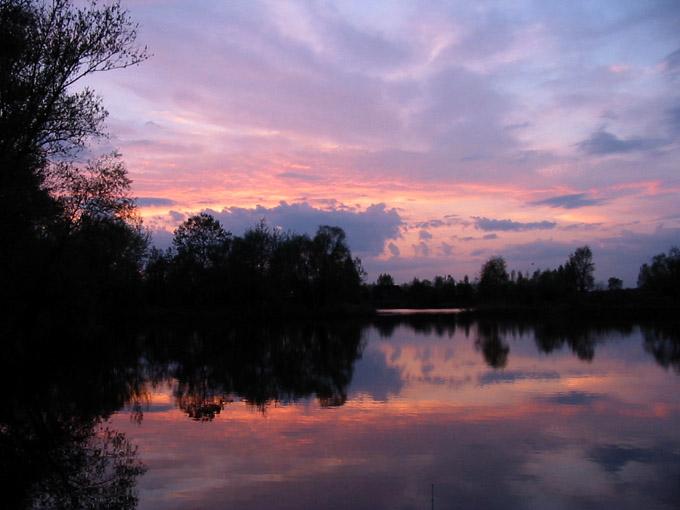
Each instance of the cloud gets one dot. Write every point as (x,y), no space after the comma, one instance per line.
(673,118)
(367,231)
(486,237)
(446,249)
(299,176)
(394,249)
(177,216)
(421,249)
(672,62)
(583,226)
(424,235)
(572,201)
(489,224)
(154,202)
(602,143)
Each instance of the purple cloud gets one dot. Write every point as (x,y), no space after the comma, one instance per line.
(489,224)
(572,201)
(602,143)
(367,231)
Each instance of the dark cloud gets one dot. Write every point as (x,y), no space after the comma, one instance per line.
(572,201)
(152,202)
(394,249)
(490,236)
(446,249)
(489,224)
(602,143)
(424,235)
(367,231)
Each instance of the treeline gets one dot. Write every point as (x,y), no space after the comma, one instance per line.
(263,268)
(571,282)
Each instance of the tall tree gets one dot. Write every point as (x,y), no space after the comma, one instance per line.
(52,206)
(580,269)
(46,47)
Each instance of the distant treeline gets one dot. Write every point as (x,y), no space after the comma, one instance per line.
(573,282)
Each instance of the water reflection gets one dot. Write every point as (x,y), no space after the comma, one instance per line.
(56,448)
(663,341)
(262,364)
(345,415)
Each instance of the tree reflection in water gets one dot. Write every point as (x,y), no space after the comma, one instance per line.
(662,340)
(489,341)
(261,364)
(56,450)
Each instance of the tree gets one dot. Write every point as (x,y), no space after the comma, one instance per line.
(614,283)
(579,269)
(662,275)
(493,277)
(335,275)
(47,47)
(201,241)
(385,280)
(52,206)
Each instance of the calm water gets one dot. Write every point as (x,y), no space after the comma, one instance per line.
(374,415)
(494,415)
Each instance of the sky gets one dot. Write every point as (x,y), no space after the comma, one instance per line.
(435,133)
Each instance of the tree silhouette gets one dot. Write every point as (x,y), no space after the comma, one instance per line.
(580,268)
(46,48)
(662,275)
(493,278)
(52,206)
(201,241)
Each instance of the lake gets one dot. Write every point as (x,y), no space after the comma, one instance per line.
(400,412)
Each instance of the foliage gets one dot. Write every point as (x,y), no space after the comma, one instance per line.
(69,229)
(264,267)
(662,275)
(384,280)
(580,268)
(494,278)
(201,240)
(614,283)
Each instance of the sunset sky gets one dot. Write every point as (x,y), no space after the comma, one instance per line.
(436,133)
